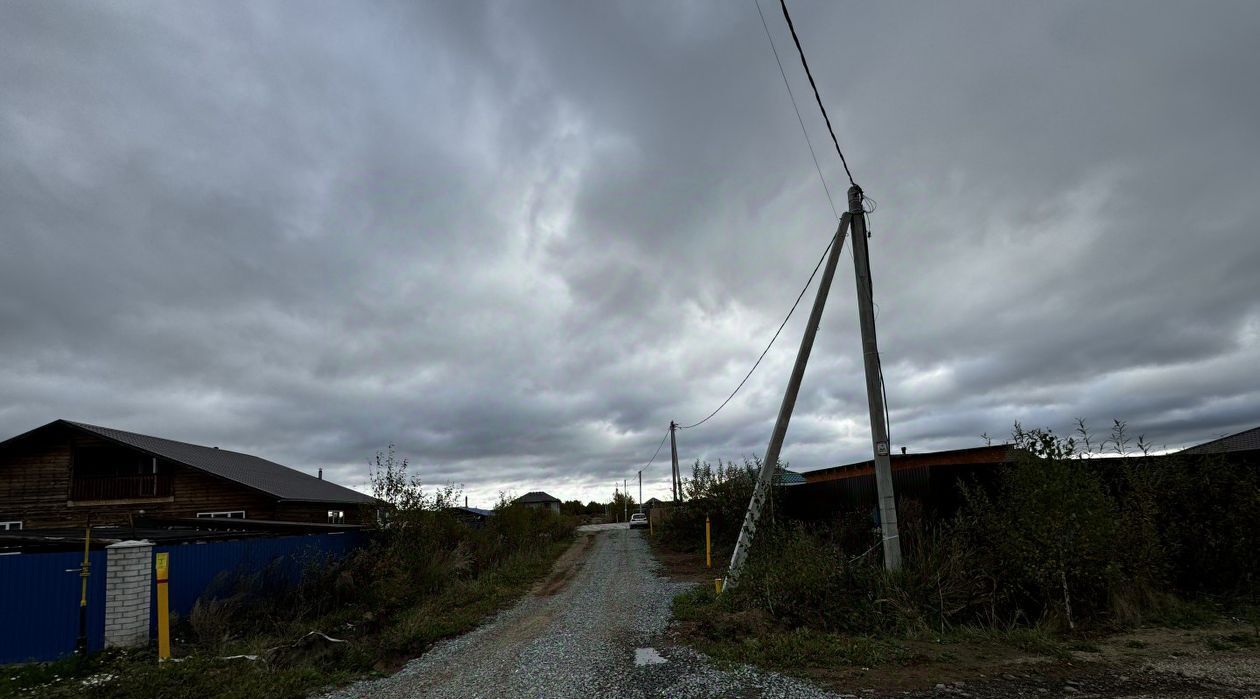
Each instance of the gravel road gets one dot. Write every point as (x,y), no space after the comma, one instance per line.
(593,629)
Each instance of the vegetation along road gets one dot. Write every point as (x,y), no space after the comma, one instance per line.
(594,627)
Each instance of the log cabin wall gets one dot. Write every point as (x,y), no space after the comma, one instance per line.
(36,489)
(34,484)
(318,512)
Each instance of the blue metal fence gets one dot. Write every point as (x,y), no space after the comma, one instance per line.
(221,568)
(39,605)
(39,592)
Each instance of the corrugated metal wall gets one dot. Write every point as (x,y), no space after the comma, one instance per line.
(39,592)
(936,488)
(39,605)
(213,568)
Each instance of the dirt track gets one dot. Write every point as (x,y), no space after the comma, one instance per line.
(595,627)
(592,628)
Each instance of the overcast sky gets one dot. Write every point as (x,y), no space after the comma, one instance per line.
(517,239)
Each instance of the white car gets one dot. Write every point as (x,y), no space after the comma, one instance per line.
(638,520)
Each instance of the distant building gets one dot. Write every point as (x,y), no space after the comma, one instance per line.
(540,500)
(472,515)
(65,473)
(1247,440)
(931,478)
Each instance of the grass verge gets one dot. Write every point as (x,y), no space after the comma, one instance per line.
(374,646)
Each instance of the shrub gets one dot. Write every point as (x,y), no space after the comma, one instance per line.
(802,578)
(1047,535)
(721,493)
(1060,535)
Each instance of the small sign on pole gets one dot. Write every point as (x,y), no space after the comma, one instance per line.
(161,564)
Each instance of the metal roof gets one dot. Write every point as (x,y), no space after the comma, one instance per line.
(536,496)
(993,454)
(1242,441)
(260,474)
(783,476)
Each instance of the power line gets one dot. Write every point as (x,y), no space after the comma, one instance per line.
(658,451)
(796,109)
(776,336)
(805,63)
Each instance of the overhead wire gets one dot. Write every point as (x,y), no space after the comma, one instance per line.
(792,310)
(796,109)
(827,189)
(817,98)
(654,454)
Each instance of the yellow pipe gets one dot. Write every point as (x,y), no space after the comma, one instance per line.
(162,569)
(83,571)
(708,544)
(81,644)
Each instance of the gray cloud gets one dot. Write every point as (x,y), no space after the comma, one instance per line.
(516,240)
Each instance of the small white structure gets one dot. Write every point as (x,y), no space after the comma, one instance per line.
(128,580)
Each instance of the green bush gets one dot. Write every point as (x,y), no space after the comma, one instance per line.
(721,493)
(1047,534)
(419,552)
(1061,537)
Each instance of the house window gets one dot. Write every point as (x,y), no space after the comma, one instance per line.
(336,516)
(10,526)
(233,514)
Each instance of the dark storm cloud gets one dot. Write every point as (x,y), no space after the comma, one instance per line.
(517,239)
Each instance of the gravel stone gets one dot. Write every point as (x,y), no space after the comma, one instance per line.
(581,642)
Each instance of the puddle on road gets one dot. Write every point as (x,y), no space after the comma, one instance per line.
(647,656)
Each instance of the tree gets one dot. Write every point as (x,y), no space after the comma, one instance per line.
(401,492)
(621,504)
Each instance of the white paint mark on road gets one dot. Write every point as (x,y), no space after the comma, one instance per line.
(647,656)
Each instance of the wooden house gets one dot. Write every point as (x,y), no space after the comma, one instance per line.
(65,473)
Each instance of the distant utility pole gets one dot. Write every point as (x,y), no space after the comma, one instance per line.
(768,465)
(874,385)
(640,491)
(673,448)
(625,503)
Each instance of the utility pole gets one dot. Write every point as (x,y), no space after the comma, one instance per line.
(874,385)
(768,465)
(673,448)
(640,491)
(625,503)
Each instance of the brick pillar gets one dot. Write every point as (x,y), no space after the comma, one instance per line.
(128,583)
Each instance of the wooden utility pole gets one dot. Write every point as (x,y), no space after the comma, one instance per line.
(673,449)
(625,503)
(771,462)
(874,385)
(640,491)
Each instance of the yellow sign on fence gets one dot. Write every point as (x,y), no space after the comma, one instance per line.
(161,565)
